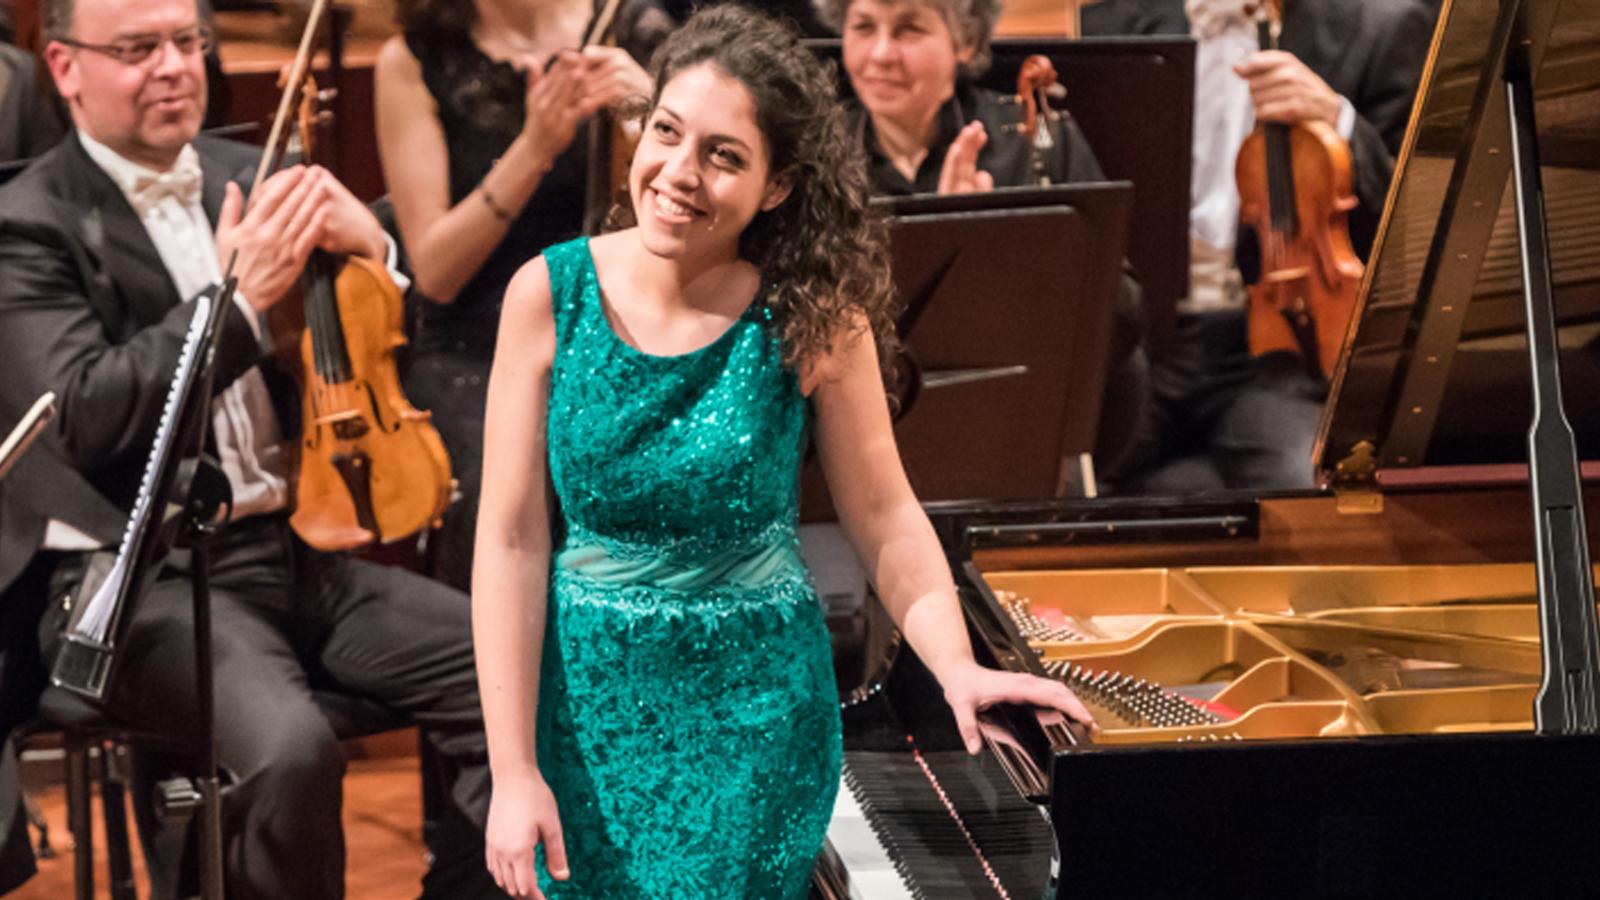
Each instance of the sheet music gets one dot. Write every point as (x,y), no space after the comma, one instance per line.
(95,622)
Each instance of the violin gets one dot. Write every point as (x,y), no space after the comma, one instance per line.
(372,468)
(1295,192)
(1036,84)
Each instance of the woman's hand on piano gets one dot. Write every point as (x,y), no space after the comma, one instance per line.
(975,688)
(522,813)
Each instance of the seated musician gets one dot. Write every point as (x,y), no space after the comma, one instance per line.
(1223,419)
(927,128)
(485,156)
(105,244)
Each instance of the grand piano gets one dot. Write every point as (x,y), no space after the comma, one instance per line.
(1384,688)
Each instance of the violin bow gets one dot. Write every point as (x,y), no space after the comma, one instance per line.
(602,23)
(297,74)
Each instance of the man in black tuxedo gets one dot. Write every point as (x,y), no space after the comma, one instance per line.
(1223,419)
(105,244)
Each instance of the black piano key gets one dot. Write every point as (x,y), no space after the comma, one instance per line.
(942,855)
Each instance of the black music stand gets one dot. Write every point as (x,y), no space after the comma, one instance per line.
(182,497)
(1104,78)
(1008,310)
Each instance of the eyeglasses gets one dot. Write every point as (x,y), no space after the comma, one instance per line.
(142,49)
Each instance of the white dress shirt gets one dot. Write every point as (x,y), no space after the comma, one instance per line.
(250,444)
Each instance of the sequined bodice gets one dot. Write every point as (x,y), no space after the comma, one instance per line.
(686,680)
(684,457)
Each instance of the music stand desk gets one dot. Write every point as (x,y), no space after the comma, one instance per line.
(1008,305)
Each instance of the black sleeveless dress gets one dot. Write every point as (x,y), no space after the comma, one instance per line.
(481,105)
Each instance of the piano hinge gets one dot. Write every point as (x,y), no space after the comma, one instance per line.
(1355,482)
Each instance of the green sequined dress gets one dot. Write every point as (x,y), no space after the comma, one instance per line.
(688,720)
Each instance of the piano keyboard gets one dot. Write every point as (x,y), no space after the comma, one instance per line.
(870,869)
(931,826)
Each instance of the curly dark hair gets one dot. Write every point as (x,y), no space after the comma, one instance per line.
(824,250)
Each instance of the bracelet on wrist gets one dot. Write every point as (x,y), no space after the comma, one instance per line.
(499,211)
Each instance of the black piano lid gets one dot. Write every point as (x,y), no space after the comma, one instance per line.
(1435,370)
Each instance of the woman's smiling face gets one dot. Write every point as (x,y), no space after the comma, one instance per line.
(702,169)
(901,57)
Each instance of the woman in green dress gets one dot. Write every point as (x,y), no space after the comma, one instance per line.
(656,676)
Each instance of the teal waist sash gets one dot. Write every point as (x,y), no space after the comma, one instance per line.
(757,564)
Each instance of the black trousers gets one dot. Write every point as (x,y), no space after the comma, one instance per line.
(1225,421)
(452,382)
(290,623)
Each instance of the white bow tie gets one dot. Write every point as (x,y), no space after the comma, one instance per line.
(181,183)
(1210,18)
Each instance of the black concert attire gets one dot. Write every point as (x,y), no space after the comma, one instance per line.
(1008,157)
(1224,419)
(480,104)
(800,13)
(1113,17)
(90,309)
(31,118)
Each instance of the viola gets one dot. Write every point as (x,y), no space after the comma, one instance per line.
(371,466)
(1036,84)
(1295,193)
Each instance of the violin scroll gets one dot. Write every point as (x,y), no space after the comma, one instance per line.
(1036,85)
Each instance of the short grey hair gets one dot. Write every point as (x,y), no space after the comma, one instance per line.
(971,23)
(55,19)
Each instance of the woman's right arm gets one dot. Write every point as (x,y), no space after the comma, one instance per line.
(447,244)
(510,576)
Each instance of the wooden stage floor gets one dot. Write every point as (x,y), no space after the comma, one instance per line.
(382,826)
